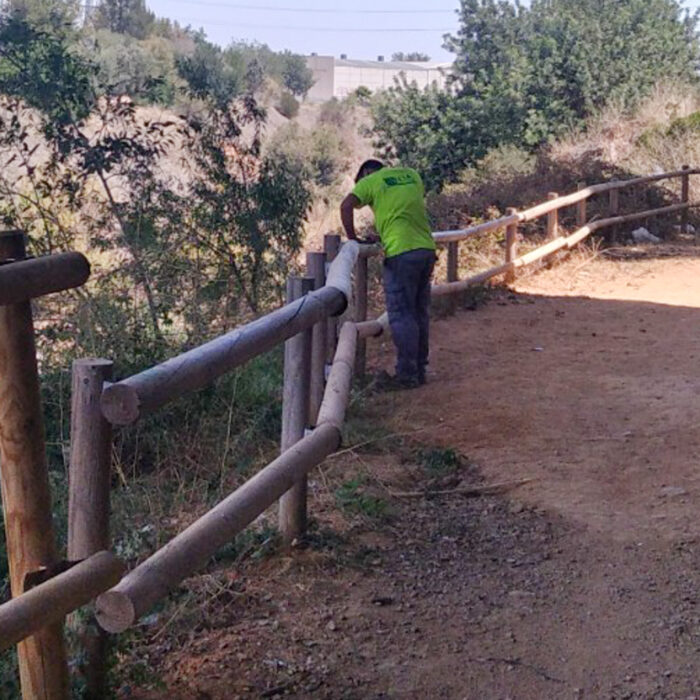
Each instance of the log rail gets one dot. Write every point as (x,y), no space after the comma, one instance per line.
(320,391)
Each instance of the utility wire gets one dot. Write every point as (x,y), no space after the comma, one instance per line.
(325,10)
(240,25)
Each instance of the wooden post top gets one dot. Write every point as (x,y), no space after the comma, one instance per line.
(22,279)
(13,246)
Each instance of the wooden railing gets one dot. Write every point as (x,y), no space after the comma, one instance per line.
(317,346)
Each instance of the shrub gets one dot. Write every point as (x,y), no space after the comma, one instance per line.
(333,113)
(287,105)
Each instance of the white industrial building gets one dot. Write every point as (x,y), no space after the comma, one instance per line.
(339,77)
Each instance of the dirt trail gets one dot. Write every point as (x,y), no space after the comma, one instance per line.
(583,583)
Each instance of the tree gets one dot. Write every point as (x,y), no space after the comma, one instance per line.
(125,17)
(226,220)
(144,70)
(211,73)
(296,75)
(56,15)
(524,75)
(413,56)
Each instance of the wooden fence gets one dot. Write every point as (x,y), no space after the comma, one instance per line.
(321,355)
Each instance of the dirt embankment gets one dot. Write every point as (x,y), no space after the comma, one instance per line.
(583,583)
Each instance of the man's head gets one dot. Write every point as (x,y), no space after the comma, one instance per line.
(368,167)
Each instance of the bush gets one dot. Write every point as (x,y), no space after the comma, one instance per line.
(287,105)
(527,75)
(320,153)
(333,113)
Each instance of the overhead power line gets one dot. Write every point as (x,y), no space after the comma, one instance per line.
(335,30)
(311,10)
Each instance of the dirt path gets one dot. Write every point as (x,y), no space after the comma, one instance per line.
(583,583)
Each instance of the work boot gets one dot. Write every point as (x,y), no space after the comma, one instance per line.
(387,382)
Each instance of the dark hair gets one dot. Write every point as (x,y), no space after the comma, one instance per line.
(368,167)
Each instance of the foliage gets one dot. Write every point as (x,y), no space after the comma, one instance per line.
(296,75)
(320,154)
(287,105)
(55,15)
(125,17)
(429,130)
(685,125)
(524,75)
(438,461)
(180,254)
(354,497)
(334,112)
(363,95)
(411,56)
(211,73)
(145,69)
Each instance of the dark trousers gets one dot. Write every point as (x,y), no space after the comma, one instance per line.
(407,289)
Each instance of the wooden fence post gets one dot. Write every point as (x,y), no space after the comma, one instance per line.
(316,268)
(614,210)
(452,271)
(361,314)
(331,247)
(552,220)
(295,413)
(26,493)
(511,244)
(581,214)
(685,198)
(88,500)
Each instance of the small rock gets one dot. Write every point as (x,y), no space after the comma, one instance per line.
(382,600)
(642,235)
(331,626)
(673,491)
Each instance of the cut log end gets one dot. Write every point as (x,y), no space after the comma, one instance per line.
(120,404)
(115,612)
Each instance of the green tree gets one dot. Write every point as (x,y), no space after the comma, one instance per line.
(142,69)
(125,17)
(56,15)
(524,75)
(211,73)
(296,75)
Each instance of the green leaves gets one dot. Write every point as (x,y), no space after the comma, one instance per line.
(39,67)
(524,75)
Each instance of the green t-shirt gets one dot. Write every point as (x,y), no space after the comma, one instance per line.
(397,198)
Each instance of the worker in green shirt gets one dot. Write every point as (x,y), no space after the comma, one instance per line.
(397,198)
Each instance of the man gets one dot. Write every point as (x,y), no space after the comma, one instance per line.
(397,198)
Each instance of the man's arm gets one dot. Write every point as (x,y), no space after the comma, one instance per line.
(347,215)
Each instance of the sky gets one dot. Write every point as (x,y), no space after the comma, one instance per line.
(362,29)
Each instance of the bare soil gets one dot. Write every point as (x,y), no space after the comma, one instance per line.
(582,583)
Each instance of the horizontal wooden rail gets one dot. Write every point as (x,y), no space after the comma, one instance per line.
(486,227)
(374,328)
(556,204)
(28,279)
(552,247)
(190,551)
(126,401)
(370,250)
(49,602)
(587,192)
(439,290)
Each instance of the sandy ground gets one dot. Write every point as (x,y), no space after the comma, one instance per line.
(583,583)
